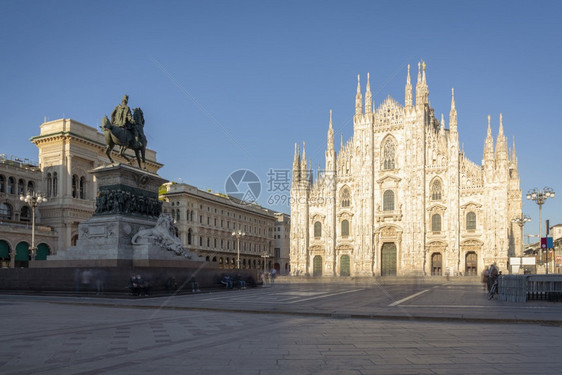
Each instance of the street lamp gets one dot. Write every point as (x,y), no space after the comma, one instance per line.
(238,233)
(521,222)
(33,199)
(540,196)
(265,255)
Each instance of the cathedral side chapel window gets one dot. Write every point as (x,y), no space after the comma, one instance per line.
(345,197)
(388,201)
(389,153)
(345,228)
(317,229)
(436,191)
(470,221)
(436,223)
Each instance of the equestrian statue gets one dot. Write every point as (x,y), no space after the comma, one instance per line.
(125,130)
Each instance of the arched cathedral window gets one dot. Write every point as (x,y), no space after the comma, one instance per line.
(388,201)
(345,228)
(317,229)
(389,151)
(470,221)
(436,190)
(436,223)
(345,197)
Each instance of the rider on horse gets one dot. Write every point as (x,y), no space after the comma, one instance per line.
(122,117)
(125,130)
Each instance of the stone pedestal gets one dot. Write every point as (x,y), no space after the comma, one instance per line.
(127,202)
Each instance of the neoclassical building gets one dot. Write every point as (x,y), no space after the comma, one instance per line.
(401,198)
(206,224)
(68,150)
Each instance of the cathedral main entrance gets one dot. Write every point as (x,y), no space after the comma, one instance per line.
(388,259)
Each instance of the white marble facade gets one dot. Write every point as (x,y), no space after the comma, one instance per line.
(401,198)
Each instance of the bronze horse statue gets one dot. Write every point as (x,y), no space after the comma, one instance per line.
(126,138)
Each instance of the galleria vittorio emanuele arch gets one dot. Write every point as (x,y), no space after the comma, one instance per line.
(401,198)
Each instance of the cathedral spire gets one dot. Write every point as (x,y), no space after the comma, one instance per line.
(358,99)
(501,143)
(331,134)
(296,164)
(513,155)
(442,122)
(489,143)
(453,113)
(422,93)
(408,90)
(368,96)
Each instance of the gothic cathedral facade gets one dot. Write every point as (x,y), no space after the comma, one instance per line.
(400,198)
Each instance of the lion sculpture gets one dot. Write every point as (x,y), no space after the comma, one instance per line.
(163,235)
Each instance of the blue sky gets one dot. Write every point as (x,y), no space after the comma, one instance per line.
(227,85)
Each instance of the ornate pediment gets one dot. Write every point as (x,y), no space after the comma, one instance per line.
(472,243)
(389,177)
(344,214)
(437,207)
(436,245)
(389,231)
(470,205)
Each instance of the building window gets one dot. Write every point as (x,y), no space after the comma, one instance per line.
(345,228)
(21,186)
(30,187)
(74,186)
(2,183)
(82,188)
(389,153)
(201,241)
(436,223)
(55,184)
(5,211)
(388,201)
(317,229)
(189,236)
(11,185)
(345,197)
(25,214)
(436,190)
(470,221)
